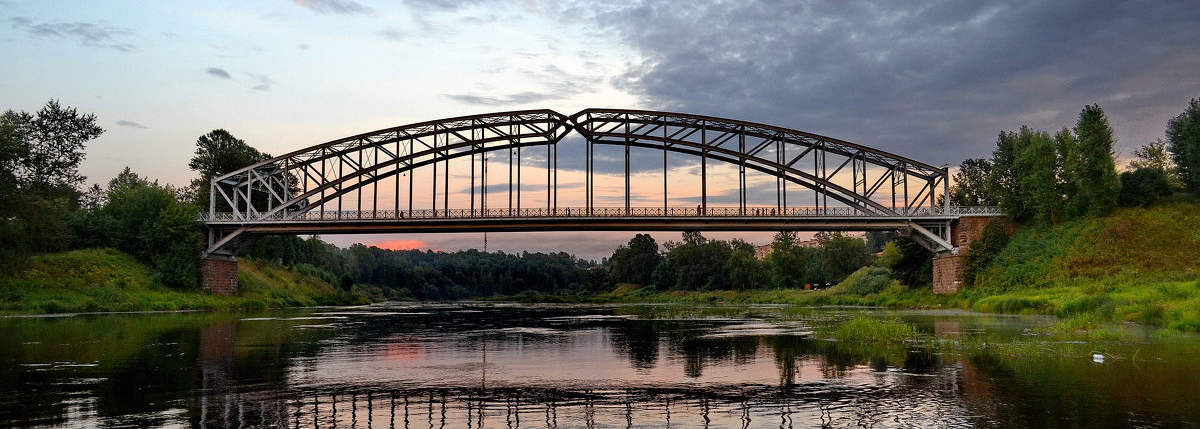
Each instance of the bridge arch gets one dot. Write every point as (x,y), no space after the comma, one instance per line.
(312,178)
(317,189)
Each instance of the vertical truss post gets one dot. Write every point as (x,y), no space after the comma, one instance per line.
(742,172)
(627,166)
(518,180)
(446,180)
(555,147)
(665,204)
(433,179)
(704,168)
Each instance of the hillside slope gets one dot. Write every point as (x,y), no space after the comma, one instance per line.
(1139,265)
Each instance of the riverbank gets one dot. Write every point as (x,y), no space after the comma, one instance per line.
(1136,265)
(107,280)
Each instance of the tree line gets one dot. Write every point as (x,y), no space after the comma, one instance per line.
(699,263)
(1037,177)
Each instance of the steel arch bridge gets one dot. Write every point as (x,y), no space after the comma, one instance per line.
(368,183)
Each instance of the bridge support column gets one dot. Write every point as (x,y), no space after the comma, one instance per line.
(219,274)
(948,266)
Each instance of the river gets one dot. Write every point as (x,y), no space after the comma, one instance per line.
(481,365)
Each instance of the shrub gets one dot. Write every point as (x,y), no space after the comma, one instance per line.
(867,280)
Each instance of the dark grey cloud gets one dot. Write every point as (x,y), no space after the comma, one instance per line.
(93,35)
(339,7)
(218,72)
(932,80)
(130,124)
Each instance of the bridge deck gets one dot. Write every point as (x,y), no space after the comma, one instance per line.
(594,219)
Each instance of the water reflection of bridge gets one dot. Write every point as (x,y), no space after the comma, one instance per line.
(920,405)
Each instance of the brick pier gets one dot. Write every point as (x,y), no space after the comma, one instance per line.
(948,268)
(220,275)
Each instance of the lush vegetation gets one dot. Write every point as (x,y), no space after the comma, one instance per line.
(109,280)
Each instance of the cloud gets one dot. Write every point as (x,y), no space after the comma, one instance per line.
(339,7)
(93,35)
(393,34)
(218,72)
(553,82)
(934,81)
(524,97)
(264,82)
(130,124)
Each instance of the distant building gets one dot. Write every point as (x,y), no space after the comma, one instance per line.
(761,252)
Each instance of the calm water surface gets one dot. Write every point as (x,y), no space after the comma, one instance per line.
(642,366)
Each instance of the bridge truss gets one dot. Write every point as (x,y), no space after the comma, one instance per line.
(366,183)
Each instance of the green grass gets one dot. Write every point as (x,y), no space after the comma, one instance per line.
(1136,265)
(866,329)
(105,280)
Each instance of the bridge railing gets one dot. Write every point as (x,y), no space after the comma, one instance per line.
(597,212)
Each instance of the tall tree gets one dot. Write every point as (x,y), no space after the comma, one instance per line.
(51,146)
(40,155)
(970,184)
(787,262)
(217,153)
(1039,160)
(1066,166)
(1183,134)
(635,262)
(841,255)
(745,271)
(1007,175)
(1096,181)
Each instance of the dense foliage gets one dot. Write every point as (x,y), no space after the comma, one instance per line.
(1039,178)
(1183,134)
(40,155)
(425,274)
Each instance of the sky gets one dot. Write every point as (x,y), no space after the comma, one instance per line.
(931,80)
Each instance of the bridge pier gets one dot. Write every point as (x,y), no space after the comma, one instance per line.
(948,266)
(219,274)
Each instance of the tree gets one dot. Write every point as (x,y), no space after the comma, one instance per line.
(51,146)
(787,262)
(636,262)
(971,184)
(1039,160)
(217,153)
(1183,134)
(1142,187)
(842,255)
(915,266)
(745,271)
(1066,167)
(983,250)
(1007,175)
(1096,180)
(40,155)
(1154,155)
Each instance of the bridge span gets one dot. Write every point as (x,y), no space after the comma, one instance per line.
(596,170)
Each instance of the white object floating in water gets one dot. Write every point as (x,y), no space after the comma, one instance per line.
(1097,358)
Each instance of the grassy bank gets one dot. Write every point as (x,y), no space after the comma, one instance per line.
(1135,265)
(108,280)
